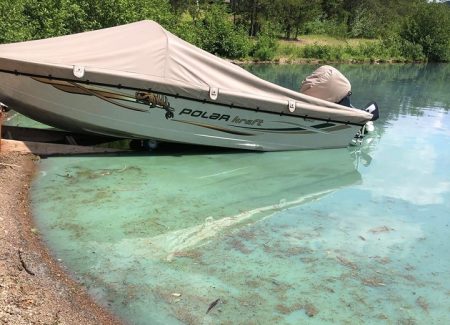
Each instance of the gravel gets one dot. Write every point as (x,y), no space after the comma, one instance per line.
(34,288)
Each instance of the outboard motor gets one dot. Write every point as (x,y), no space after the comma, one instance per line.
(329,84)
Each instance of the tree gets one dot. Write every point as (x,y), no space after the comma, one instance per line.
(47,18)
(422,29)
(293,14)
(335,10)
(218,35)
(13,26)
(248,13)
(107,13)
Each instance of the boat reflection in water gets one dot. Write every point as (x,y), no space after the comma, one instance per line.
(247,188)
(149,226)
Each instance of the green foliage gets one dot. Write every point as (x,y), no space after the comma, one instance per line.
(34,19)
(334,10)
(413,52)
(49,18)
(395,49)
(12,22)
(365,24)
(108,13)
(187,29)
(429,28)
(293,14)
(265,47)
(318,51)
(316,26)
(400,48)
(409,30)
(217,34)
(325,26)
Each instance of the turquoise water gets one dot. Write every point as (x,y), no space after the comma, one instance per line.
(347,236)
(16,119)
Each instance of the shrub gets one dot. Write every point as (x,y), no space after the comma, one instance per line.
(33,19)
(13,26)
(316,26)
(265,47)
(324,52)
(325,26)
(429,27)
(364,25)
(394,45)
(413,51)
(376,51)
(218,35)
(186,29)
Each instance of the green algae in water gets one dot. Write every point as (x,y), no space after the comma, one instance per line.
(142,229)
(317,237)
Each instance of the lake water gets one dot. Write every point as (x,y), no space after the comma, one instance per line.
(347,236)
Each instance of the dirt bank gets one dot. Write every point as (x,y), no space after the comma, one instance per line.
(34,289)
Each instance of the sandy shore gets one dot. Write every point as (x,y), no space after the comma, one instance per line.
(34,289)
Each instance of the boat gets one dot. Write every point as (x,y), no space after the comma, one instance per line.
(139,81)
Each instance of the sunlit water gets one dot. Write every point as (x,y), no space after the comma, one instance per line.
(347,236)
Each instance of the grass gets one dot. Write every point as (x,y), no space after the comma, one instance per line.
(323,40)
(324,48)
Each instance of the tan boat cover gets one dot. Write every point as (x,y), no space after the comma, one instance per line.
(326,83)
(144,55)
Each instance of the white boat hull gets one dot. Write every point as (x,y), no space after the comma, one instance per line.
(138,114)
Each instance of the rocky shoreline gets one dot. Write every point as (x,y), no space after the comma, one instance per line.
(34,288)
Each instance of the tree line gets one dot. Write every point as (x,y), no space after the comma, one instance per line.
(351,18)
(241,28)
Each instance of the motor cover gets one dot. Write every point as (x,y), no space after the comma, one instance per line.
(326,83)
